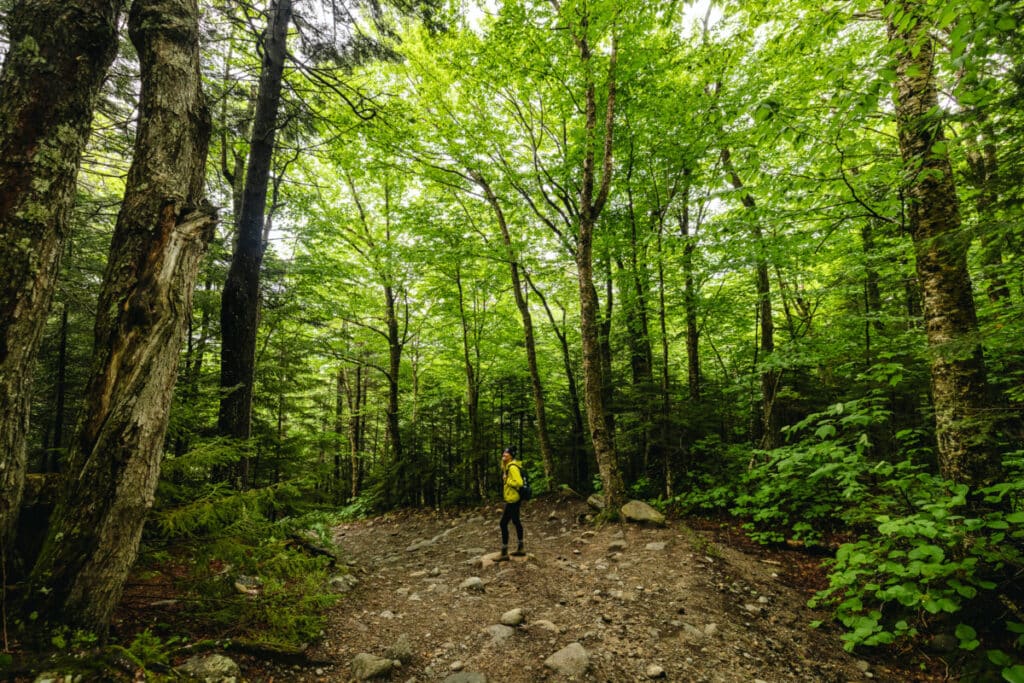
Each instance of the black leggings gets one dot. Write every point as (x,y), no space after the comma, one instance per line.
(511,513)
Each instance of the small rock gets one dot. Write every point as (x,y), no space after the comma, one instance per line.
(596,501)
(366,666)
(466,677)
(640,512)
(401,650)
(500,632)
(545,625)
(342,583)
(655,671)
(656,545)
(473,583)
(862,665)
(617,546)
(457,665)
(943,643)
(571,660)
(513,617)
(213,668)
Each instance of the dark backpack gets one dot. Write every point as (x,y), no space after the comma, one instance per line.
(525,492)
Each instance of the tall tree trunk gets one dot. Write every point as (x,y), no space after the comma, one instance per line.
(239,315)
(984,166)
(354,395)
(579,457)
(472,378)
(769,437)
(666,396)
(872,290)
(394,434)
(963,423)
(337,489)
(159,240)
(62,389)
(59,54)
(543,438)
(641,357)
(590,206)
(690,302)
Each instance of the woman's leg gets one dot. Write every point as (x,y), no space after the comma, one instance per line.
(506,515)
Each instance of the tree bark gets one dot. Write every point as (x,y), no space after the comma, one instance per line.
(239,314)
(690,302)
(161,234)
(472,377)
(58,57)
(963,419)
(579,457)
(590,206)
(543,438)
(61,392)
(354,396)
(769,437)
(984,174)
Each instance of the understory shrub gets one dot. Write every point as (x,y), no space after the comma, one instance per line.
(946,561)
(804,489)
(930,556)
(251,573)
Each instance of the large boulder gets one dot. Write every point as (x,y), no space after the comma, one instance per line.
(642,513)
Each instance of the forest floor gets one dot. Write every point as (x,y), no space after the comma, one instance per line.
(677,603)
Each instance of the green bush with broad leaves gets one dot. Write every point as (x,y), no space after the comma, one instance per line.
(941,559)
(805,489)
(930,557)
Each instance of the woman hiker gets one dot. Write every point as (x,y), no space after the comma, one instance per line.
(512,481)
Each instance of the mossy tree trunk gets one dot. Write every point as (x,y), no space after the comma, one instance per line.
(161,235)
(592,197)
(963,419)
(58,57)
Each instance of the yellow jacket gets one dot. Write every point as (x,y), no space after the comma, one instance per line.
(512,478)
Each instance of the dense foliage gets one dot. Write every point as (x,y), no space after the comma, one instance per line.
(767,345)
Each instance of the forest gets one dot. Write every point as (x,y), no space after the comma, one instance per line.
(268,266)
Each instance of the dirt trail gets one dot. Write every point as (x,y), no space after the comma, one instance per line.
(644,604)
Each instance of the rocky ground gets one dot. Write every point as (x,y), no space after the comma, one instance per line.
(620,602)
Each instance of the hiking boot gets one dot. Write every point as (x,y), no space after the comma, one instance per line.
(519,552)
(504,553)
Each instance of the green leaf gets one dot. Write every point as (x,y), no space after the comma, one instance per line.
(1014,674)
(999,658)
(965,632)
(1006,23)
